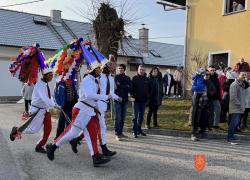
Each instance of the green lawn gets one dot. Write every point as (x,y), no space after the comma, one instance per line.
(173,114)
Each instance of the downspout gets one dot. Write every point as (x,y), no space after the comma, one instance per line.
(185,58)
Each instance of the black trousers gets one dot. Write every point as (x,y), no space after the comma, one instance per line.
(199,116)
(152,110)
(62,122)
(27,103)
(178,88)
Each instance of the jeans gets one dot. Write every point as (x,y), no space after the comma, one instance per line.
(120,114)
(138,113)
(233,122)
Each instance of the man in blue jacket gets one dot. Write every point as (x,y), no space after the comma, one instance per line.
(66,96)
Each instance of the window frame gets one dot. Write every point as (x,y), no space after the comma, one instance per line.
(224,6)
(210,56)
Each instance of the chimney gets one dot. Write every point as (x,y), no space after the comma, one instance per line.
(55,16)
(143,40)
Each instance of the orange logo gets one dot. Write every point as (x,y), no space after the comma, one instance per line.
(199,162)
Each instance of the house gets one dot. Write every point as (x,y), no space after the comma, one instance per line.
(21,29)
(217,31)
(142,51)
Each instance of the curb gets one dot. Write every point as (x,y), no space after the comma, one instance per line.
(186,134)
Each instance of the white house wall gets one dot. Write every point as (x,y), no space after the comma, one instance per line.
(11,86)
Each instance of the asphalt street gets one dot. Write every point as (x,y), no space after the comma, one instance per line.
(150,157)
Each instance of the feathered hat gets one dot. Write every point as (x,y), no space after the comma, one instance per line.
(28,63)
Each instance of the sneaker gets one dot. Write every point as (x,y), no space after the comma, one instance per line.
(99,159)
(118,138)
(147,126)
(194,138)
(13,133)
(40,149)
(142,134)
(179,96)
(51,148)
(123,136)
(106,151)
(73,144)
(232,142)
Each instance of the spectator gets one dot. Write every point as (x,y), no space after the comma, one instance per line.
(155,96)
(199,103)
(140,93)
(236,105)
(242,66)
(237,6)
(27,93)
(66,97)
(178,78)
(215,98)
(167,80)
(221,77)
(247,108)
(230,75)
(123,86)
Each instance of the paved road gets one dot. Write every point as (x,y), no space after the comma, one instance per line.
(151,157)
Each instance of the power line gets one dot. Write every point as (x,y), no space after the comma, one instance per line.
(30,2)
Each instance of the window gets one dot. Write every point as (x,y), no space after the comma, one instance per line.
(215,58)
(232,6)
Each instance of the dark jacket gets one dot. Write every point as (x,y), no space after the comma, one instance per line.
(165,79)
(156,91)
(123,86)
(140,88)
(215,81)
(60,93)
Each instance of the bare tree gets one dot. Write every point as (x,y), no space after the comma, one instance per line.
(108,29)
(197,60)
(109,18)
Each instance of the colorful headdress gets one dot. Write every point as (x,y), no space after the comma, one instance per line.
(90,60)
(28,63)
(67,60)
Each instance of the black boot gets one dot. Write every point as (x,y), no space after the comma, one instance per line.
(13,133)
(106,151)
(51,148)
(99,159)
(73,144)
(40,149)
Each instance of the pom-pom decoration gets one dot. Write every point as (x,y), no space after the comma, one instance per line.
(27,64)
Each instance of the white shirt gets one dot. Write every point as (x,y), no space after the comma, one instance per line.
(40,97)
(88,93)
(102,106)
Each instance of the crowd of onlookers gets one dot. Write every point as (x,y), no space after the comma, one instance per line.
(145,91)
(220,94)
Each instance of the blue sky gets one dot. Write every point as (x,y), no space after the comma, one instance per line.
(167,27)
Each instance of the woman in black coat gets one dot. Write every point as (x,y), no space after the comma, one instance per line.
(155,96)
